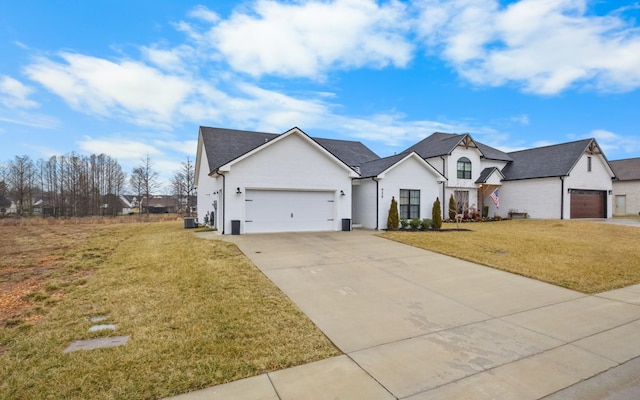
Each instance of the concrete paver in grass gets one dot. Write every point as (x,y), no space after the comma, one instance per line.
(92,344)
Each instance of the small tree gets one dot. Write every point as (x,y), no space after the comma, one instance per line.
(453,209)
(436,214)
(393,220)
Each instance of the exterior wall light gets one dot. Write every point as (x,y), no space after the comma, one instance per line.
(238,191)
(342,193)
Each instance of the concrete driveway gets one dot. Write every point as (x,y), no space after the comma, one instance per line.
(415,325)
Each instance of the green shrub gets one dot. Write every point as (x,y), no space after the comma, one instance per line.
(436,214)
(485,211)
(415,223)
(453,209)
(426,224)
(392,219)
(404,223)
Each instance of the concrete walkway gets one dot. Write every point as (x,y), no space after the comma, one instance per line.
(418,325)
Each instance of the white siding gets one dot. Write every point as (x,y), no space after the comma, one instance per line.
(364,203)
(291,163)
(208,190)
(599,178)
(409,174)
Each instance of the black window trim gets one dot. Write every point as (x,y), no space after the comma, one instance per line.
(408,210)
(465,171)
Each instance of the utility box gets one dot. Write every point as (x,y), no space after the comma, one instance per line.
(346,224)
(189,222)
(235,226)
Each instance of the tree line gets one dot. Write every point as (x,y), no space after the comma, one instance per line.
(75,185)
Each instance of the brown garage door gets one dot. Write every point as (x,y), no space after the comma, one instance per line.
(587,204)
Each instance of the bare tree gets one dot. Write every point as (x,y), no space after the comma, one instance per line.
(21,179)
(144,178)
(183,183)
(5,201)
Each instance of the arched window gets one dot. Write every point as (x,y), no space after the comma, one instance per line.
(464,168)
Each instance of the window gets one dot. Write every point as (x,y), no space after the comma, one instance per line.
(589,164)
(464,168)
(409,203)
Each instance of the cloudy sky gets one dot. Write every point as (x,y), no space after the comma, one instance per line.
(131,78)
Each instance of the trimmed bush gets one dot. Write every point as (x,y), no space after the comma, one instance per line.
(426,224)
(436,213)
(453,209)
(392,219)
(404,223)
(415,223)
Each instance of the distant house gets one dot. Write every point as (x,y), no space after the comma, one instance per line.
(159,204)
(626,188)
(250,182)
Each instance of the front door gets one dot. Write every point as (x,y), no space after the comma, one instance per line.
(621,204)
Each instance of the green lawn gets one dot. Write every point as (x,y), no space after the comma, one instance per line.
(198,314)
(586,256)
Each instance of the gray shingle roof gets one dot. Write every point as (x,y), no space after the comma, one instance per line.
(627,169)
(486,173)
(376,167)
(225,145)
(441,144)
(349,152)
(543,162)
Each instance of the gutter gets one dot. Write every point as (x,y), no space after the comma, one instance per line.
(377,202)
(562,197)
(224,194)
(443,188)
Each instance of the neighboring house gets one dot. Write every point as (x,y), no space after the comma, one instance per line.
(251,182)
(130,203)
(159,204)
(626,188)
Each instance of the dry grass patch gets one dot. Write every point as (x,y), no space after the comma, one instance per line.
(586,256)
(198,313)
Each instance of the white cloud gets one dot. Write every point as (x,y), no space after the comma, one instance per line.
(129,89)
(203,13)
(34,120)
(188,147)
(306,39)
(120,148)
(611,142)
(172,60)
(546,46)
(15,94)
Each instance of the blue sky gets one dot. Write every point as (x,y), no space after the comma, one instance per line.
(131,78)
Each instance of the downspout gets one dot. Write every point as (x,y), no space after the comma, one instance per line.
(224,194)
(444,164)
(377,202)
(562,197)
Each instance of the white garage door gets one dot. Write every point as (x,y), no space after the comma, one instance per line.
(288,211)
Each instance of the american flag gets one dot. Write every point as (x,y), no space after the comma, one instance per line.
(495,198)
